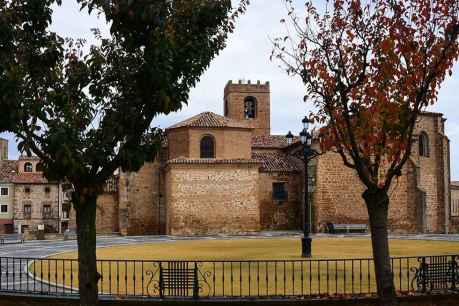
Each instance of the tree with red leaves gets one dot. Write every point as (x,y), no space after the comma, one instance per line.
(370,68)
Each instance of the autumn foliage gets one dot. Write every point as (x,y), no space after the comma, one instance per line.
(370,69)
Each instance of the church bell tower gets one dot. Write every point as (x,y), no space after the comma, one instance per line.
(249,102)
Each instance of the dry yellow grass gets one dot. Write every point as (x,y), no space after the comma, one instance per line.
(134,278)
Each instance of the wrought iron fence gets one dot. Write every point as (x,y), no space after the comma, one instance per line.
(229,279)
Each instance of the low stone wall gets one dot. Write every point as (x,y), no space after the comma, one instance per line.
(420,300)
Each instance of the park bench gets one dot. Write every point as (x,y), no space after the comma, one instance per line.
(11,239)
(178,279)
(437,273)
(70,234)
(336,228)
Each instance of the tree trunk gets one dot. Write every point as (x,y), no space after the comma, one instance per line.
(88,276)
(377,203)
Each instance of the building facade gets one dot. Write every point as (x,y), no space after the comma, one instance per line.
(455,207)
(7,173)
(229,174)
(29,202)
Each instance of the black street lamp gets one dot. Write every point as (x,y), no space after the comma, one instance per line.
(305,155)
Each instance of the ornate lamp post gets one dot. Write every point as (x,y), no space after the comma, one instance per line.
(305,155)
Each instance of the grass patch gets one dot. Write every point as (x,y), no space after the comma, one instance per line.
(245,278)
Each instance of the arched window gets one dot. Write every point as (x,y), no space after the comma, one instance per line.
(207,147)
(28,167)
(250,107)
(423,144)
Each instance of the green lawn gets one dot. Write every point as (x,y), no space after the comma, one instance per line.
(249,278)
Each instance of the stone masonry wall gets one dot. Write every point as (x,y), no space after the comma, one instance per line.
(211,199)
(141,201)
(338,190)
(280,215)
(234,96)
(454,225)
(337,197)
(431,172)
(107,214)
(178,143)
(230,143)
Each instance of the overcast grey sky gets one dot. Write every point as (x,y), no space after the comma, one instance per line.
(247,57)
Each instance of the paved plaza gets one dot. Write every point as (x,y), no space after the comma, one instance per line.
(44,248)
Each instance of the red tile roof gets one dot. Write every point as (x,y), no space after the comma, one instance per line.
(9,174)
(8,170)
(274,162)
(30,178)
(269,141)
(28,157)
(210,120)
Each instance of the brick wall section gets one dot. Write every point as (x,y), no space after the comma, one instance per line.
(277,215)
(107,214)
(332,206)
(210,199)
(178,143)
(140,201)
(230,143)
(338,192)
(431,172)
(36,198)
(337,197)
(234,95)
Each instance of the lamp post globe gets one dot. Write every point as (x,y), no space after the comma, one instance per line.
(289,137)
(305,122)
(303,136)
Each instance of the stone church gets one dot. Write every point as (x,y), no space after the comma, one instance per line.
(228,174)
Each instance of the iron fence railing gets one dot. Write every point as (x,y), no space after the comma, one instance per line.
(229,279)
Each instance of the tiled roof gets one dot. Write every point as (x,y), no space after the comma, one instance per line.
(210,120)
(28,157)
(182,160)
(432,114)
(270,141)
(8,170)
(274,162)
(9,174)
(30,178)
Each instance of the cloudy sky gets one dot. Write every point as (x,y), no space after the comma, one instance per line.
(247,57)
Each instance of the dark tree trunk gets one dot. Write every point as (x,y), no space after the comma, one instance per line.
(377,203)
(87,272)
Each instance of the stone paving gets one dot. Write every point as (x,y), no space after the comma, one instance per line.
(44,248)
(13,276)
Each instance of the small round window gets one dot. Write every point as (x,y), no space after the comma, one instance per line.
(28,167)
